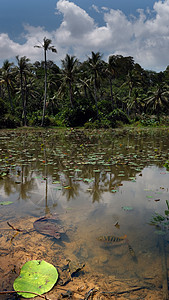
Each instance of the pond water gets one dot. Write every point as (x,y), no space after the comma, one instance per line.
(100,183)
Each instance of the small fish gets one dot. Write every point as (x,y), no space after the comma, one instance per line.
(111,238)
(132,253)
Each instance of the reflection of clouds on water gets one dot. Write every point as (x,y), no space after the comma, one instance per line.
(44,193)
(3,195)
(141,196)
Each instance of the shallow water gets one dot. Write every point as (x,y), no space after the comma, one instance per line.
(101,183)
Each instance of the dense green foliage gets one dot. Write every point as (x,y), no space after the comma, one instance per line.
(92,93)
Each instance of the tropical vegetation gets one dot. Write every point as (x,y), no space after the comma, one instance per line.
(92,93)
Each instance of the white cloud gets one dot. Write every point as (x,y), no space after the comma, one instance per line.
(145,37)
(95,8)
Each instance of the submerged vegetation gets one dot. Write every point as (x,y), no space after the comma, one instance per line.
(92,93)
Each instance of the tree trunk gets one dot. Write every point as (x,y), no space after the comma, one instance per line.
(9,96)
(25,103)
(45,93)
(23,99)
(71,94)
(111,93)
(95,94)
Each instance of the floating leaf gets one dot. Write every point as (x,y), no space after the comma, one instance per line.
(6,202)
(88,180)
(35,276)
(160,232)
(67,187)
(132,178)
(127,208)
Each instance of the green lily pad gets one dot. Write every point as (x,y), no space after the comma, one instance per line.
(5,202)
(127,208)
(36,276)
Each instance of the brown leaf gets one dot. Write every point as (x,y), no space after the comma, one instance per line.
(49,226)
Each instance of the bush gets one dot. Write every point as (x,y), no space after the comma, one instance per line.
(75,117)
(147,120)
(117,115)
(35,119)
(9,121)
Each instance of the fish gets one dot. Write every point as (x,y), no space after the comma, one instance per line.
(131,251)
(111,238)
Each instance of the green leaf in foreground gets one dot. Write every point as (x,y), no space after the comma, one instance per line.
(5,202)
(36,276)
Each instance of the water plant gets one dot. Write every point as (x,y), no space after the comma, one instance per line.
(161,221)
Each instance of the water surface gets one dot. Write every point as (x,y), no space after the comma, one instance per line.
(100,183)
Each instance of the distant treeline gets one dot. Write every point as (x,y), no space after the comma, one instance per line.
(92,93)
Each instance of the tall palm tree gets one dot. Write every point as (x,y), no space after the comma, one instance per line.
(158,99)
(95,65)
(24,70)
(70,68)
(46,46)
(111,73)
(7,78)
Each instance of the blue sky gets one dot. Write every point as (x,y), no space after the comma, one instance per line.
(139,28)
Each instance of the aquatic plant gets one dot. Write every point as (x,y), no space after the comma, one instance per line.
(161,221)
(166,165)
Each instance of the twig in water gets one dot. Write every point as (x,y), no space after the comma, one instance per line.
(17,229)
(127,291)
(14,292)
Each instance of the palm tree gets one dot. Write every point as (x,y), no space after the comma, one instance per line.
(7,78)
(24,70)
(158,99)
(111,72)
(95,65)
(69,66)
(46,46)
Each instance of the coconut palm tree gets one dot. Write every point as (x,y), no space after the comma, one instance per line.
(69,72)
(7,79)
(158,99)
(96,65)
(46,46)
(24,70)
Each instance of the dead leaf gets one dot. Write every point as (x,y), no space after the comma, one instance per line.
(49,226)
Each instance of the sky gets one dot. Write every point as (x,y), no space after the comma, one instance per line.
(137,28)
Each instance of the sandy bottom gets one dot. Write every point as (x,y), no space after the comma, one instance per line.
(18,248)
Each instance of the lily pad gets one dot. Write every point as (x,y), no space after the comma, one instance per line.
(127,208)
(5,202)
(36,276)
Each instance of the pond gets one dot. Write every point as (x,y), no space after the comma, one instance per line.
(104,186)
